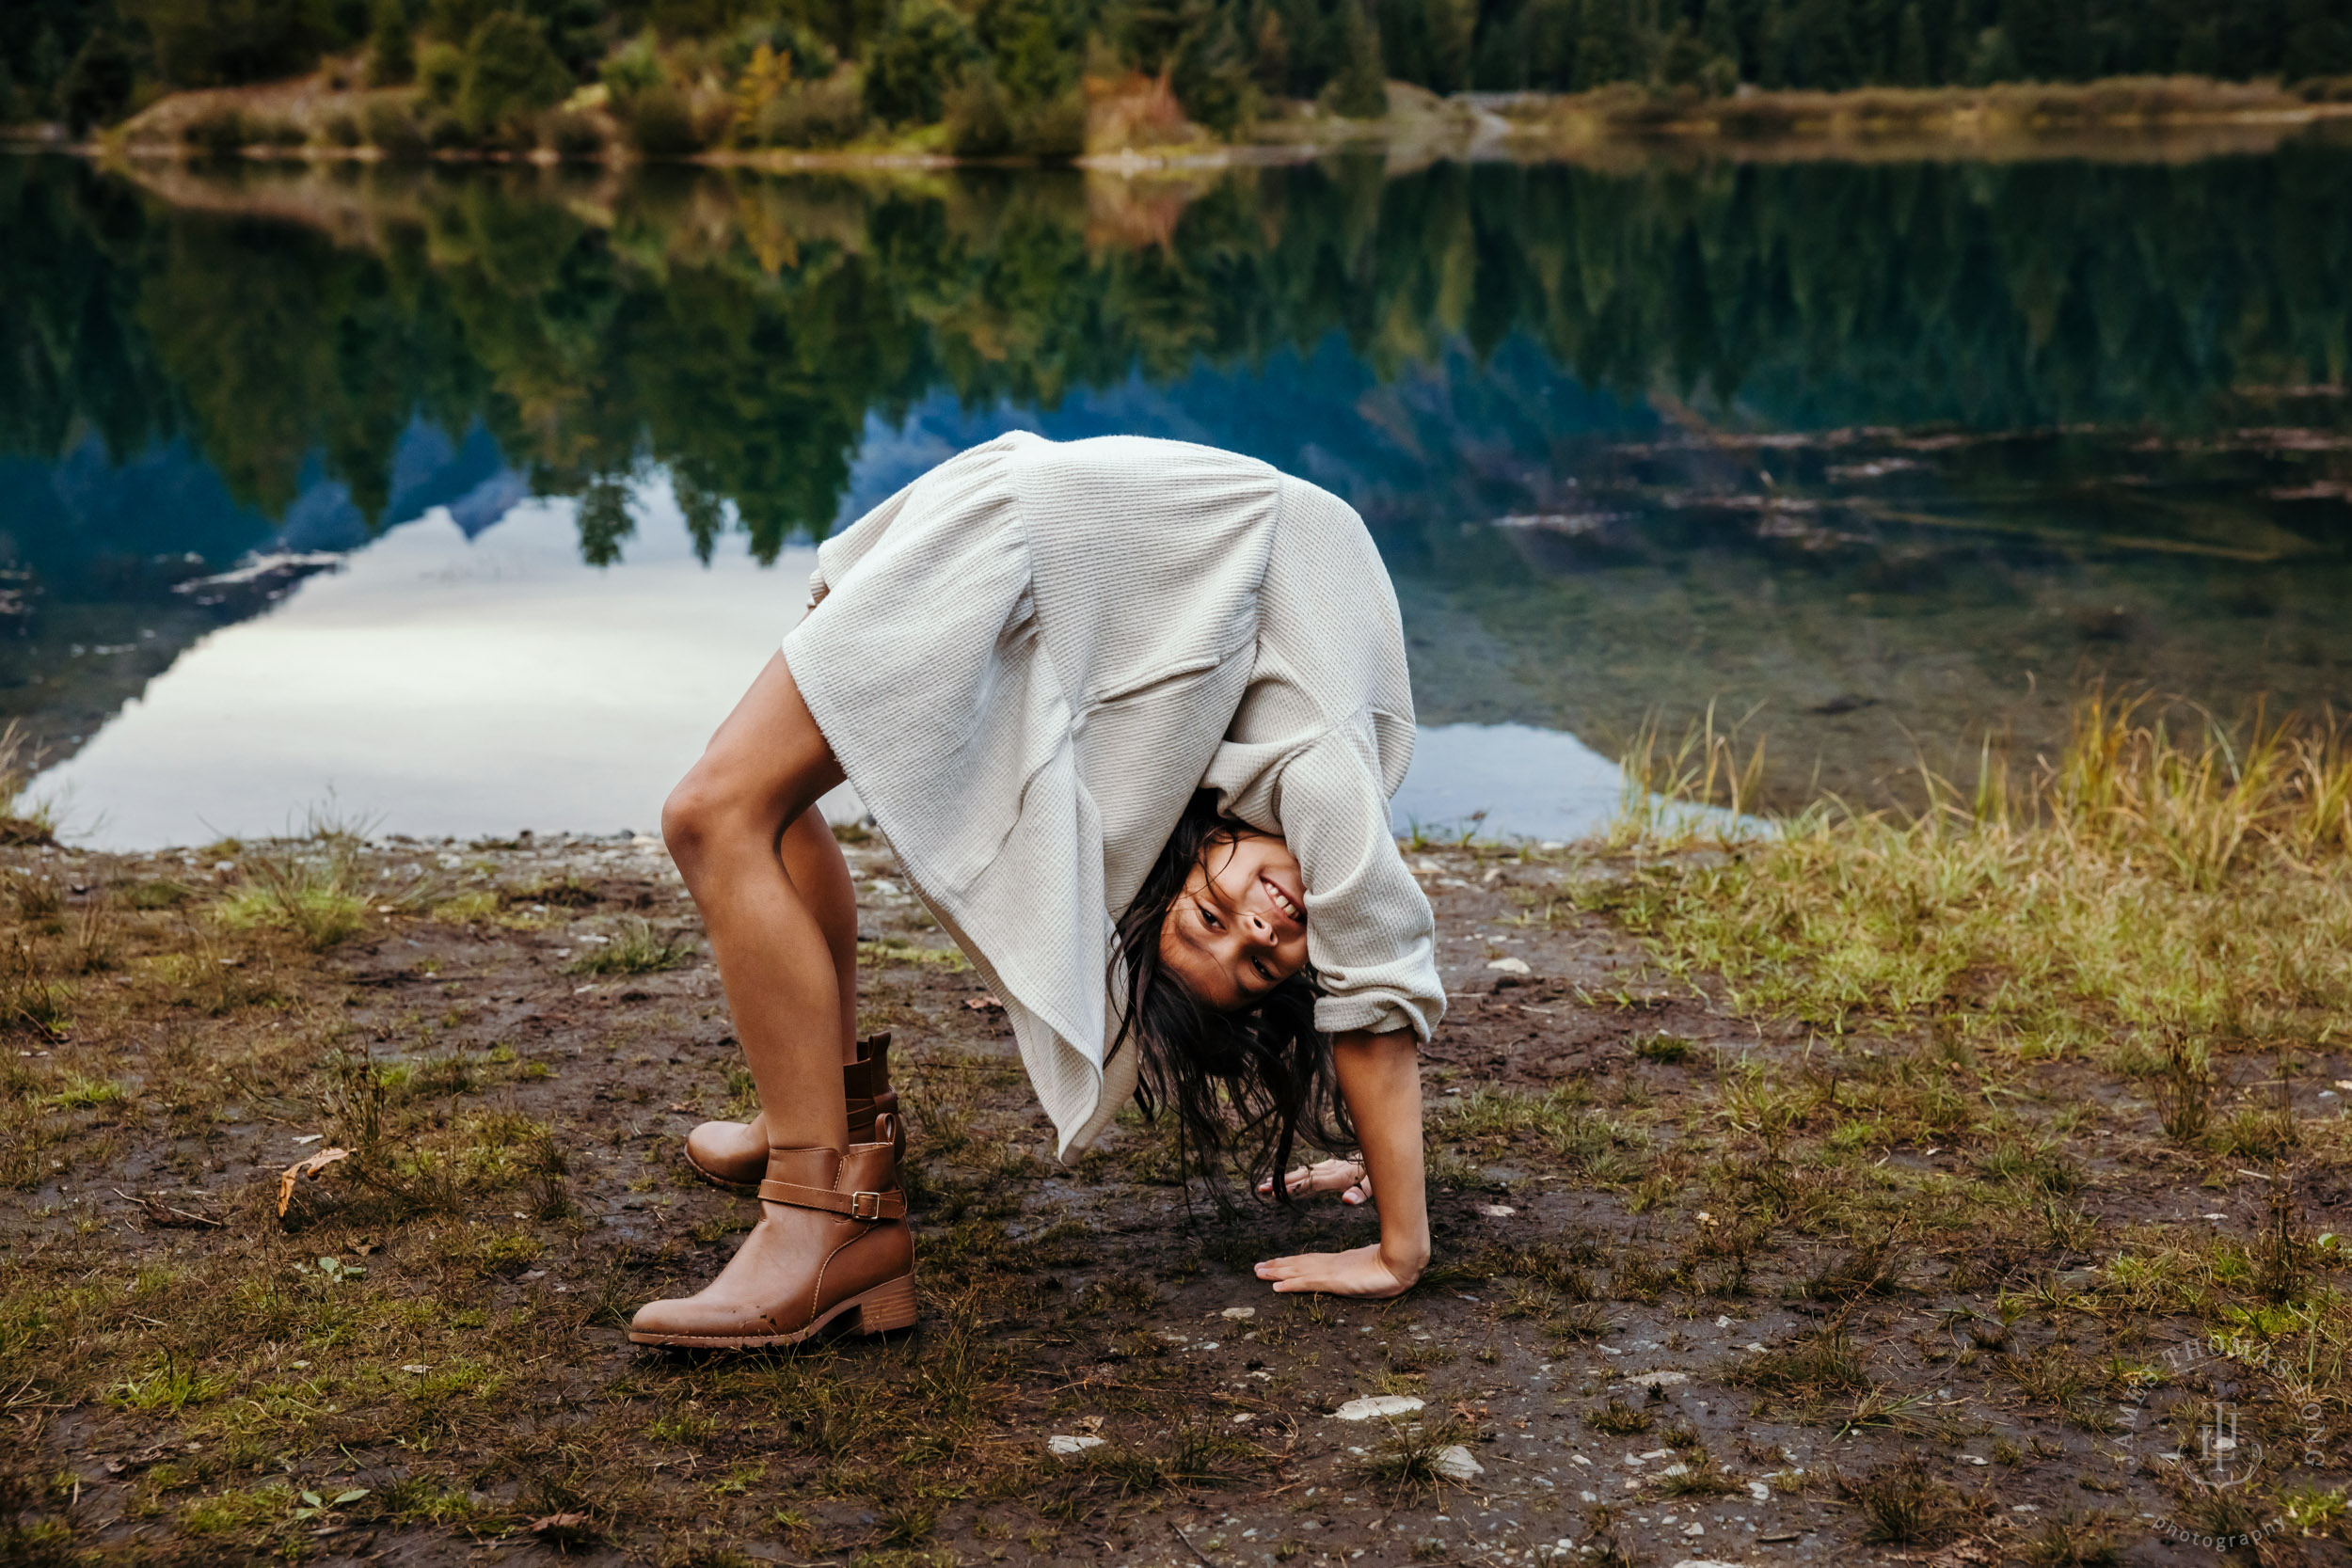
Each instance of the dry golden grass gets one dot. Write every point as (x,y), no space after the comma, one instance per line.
(2143,892)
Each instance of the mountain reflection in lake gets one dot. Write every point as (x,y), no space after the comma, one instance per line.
(1881,457)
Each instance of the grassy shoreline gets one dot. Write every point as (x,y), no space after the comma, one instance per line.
(299,120)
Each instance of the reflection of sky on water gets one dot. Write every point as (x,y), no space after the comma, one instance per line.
(440,684)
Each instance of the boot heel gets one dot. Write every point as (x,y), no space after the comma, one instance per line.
(887,1306)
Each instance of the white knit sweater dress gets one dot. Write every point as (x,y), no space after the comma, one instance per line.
(1027,661)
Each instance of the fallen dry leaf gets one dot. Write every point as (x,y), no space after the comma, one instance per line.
(301,1168)
(984,1003)
(558,1522)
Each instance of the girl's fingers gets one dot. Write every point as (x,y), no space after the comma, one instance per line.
(1345,1176)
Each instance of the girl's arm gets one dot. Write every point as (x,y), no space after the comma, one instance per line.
(1380,1077)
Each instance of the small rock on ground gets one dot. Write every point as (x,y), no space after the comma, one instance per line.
(1455,1463)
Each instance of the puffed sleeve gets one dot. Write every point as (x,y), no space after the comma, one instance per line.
(1370,932)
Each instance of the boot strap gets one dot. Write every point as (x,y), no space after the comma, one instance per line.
(858,1206)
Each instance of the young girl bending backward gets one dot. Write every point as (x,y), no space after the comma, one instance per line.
(1130,712)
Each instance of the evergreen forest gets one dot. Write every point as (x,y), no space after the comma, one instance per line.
(1012,74)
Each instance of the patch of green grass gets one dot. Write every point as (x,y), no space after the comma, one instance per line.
(682,1425)
(636,948)
(155,893)
(170,1388)
(81,1094)
(239,1512)
(31,1001)
(1666,1050)
(469,909)
(458,1380)
(310,887)
(892,950)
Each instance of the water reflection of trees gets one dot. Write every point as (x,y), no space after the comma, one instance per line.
(741,329)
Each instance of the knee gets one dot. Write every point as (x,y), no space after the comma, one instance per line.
(693,820)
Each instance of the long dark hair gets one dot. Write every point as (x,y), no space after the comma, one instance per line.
(1247,1081)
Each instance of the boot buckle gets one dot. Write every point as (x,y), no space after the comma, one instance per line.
(865,1206)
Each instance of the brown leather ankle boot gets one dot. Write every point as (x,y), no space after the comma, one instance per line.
(734,1154)
(832,1245)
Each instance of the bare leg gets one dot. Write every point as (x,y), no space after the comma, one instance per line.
(813,859)
(832,1245)
(726,825)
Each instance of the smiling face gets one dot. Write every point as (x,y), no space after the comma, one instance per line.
(1239,929)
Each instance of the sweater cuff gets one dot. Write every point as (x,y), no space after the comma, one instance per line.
(1374,1014)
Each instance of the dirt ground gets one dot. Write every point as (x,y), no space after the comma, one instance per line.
(1646,1338)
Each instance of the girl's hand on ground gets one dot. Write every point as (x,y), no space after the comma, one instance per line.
(1360,1272)
(1346,1177)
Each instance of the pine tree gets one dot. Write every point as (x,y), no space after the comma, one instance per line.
(1719,31)
(2318,40)
(1608,48)
(48,64)
(1771,51)
(510,72)
(1548,32)
(2037,31)
(1960,47)
(391,47)
(1360,89)
(1454,31)
(1404,40)
(97,85)
(1911,48)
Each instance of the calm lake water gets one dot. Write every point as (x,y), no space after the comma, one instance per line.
(1878,459)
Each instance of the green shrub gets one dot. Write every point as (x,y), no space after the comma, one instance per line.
(1211,80)
(978,117)
(394,130)
(342,131)
(1054,129)
(925,48)
(634,71)
(813,114)
(575,135)
(447,133)
(660,123)
(97,85)
(509,75)
(983,121)
(221,42)
(391,48)
(1360,90)
(440,69)
(219,132)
